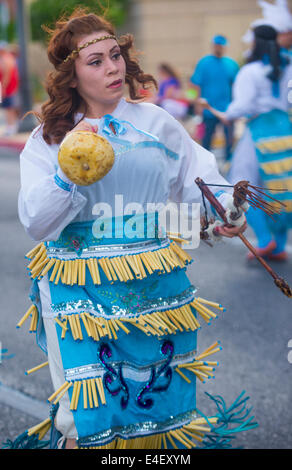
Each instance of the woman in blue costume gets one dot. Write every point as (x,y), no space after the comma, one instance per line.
(112,305)
(263,156)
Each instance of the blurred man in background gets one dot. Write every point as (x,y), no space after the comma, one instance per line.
(213,78)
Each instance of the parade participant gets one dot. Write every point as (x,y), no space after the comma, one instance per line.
(263,155)
(278,16)
(9,81)
(170,95)
(115,312)
(213,78)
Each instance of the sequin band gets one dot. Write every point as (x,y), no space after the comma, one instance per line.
(147,306)
(103,250)
(130,371)
(137,429)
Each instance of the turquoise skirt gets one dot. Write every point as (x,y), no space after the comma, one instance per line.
(126,317)
(272,136)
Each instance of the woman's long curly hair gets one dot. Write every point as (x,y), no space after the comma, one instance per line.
(57,113)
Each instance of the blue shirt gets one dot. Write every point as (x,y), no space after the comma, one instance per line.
(215,76)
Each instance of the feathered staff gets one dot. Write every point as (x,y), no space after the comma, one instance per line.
(243,192)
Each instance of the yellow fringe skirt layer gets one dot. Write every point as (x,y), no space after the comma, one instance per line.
(200,368)
(117,268)
(158,323)
(188,435)
(93,394)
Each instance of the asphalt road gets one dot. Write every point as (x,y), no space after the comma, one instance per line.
(254,331)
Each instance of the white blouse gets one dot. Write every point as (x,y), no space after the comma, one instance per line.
(253,94)
(49,201)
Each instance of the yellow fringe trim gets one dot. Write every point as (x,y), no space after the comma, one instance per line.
(176,237)
(278,166)
(122,268)
(280,184)
(156,323)
(41,429)
(92,392)
(287,208)
(276,145)
(33,312)
(201,369)
(34,369)
(186,435)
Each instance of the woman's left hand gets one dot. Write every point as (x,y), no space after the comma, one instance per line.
(231,232)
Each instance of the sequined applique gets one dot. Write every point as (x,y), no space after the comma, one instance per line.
(78,243)
(111,375)
(167,349)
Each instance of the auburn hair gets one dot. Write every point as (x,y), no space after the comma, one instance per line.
(57,113)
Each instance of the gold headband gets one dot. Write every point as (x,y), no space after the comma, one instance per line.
(93,41)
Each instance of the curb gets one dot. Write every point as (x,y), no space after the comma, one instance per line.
(24,403)
(17,143)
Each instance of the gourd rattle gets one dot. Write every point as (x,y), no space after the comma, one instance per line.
(85,157)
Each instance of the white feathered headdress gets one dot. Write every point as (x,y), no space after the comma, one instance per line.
(275,14)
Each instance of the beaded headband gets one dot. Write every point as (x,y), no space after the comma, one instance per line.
(93,41)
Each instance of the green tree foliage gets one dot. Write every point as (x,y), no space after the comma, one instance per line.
(46,12)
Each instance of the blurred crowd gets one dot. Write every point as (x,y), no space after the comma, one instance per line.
(9,80)
(213,80)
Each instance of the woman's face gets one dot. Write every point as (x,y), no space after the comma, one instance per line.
(100,74)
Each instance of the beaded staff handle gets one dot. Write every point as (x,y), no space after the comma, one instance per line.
(280,282)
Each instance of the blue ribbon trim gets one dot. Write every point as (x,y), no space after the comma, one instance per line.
(62,184)
(109,123)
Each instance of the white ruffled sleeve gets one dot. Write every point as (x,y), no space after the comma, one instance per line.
(192,161)
(244,94)
(48,201)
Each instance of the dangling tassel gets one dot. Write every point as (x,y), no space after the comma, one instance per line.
(32,438)
(92,393)
(201,369)
(200,305)
(243,191)
(34,369)
(229,422)
(33,312)
(58,394)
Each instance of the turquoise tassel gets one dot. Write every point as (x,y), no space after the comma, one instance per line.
(25,442)
(230,421)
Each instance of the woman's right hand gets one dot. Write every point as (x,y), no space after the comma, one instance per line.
(84,126)
(202,103)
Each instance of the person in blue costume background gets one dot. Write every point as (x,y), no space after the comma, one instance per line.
(113,308)
(213,77)
(263,156)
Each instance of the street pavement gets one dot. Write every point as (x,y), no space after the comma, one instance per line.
(254,331)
